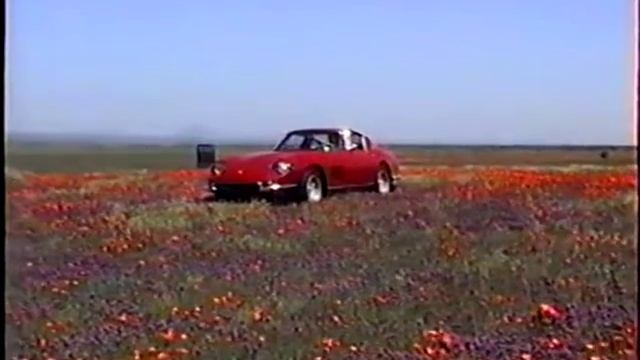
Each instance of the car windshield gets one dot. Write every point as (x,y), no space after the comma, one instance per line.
(310,141)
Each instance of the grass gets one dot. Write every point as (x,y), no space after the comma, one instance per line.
(49,158)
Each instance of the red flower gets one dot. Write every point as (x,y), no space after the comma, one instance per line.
(549,313)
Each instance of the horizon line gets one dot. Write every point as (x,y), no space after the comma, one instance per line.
(177,140)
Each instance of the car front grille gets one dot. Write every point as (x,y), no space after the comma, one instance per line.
(238,189)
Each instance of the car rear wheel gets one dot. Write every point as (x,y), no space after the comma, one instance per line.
(312,187)
(383,181)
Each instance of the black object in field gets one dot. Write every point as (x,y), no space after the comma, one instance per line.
(206,155)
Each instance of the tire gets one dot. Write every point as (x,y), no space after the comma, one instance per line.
(384,181)
(312,187)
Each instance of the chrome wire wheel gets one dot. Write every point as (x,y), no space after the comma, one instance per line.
(384,181)
(313,188)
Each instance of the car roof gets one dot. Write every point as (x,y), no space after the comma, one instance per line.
(323,130)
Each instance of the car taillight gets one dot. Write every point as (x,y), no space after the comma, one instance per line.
(282,167)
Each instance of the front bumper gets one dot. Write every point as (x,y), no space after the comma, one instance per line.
(249,190)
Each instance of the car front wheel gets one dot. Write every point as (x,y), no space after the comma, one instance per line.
(312,187)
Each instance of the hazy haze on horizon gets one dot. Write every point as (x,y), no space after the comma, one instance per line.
(497,71)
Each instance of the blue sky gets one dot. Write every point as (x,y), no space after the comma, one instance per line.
(511,72)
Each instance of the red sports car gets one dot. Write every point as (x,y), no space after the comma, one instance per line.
(308,164)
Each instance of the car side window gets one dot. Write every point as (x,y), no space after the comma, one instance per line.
(366,142)
(335,141)
(293,142)
(357,142)
(316,142)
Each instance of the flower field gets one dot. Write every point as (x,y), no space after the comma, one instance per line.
(460,263)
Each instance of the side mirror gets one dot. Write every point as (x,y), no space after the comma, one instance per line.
(205,155)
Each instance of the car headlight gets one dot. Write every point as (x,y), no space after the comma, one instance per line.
(217,169)
(282,167)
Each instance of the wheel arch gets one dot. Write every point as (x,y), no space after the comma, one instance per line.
(385,164)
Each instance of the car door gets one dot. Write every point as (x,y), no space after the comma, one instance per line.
(361,163)
(334,163)
(341,169)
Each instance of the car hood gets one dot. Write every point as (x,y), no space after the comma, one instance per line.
(262,159)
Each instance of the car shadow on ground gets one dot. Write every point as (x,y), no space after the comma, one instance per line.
(281,201)
(210,198)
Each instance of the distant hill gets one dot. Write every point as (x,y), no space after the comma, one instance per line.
(97,140)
